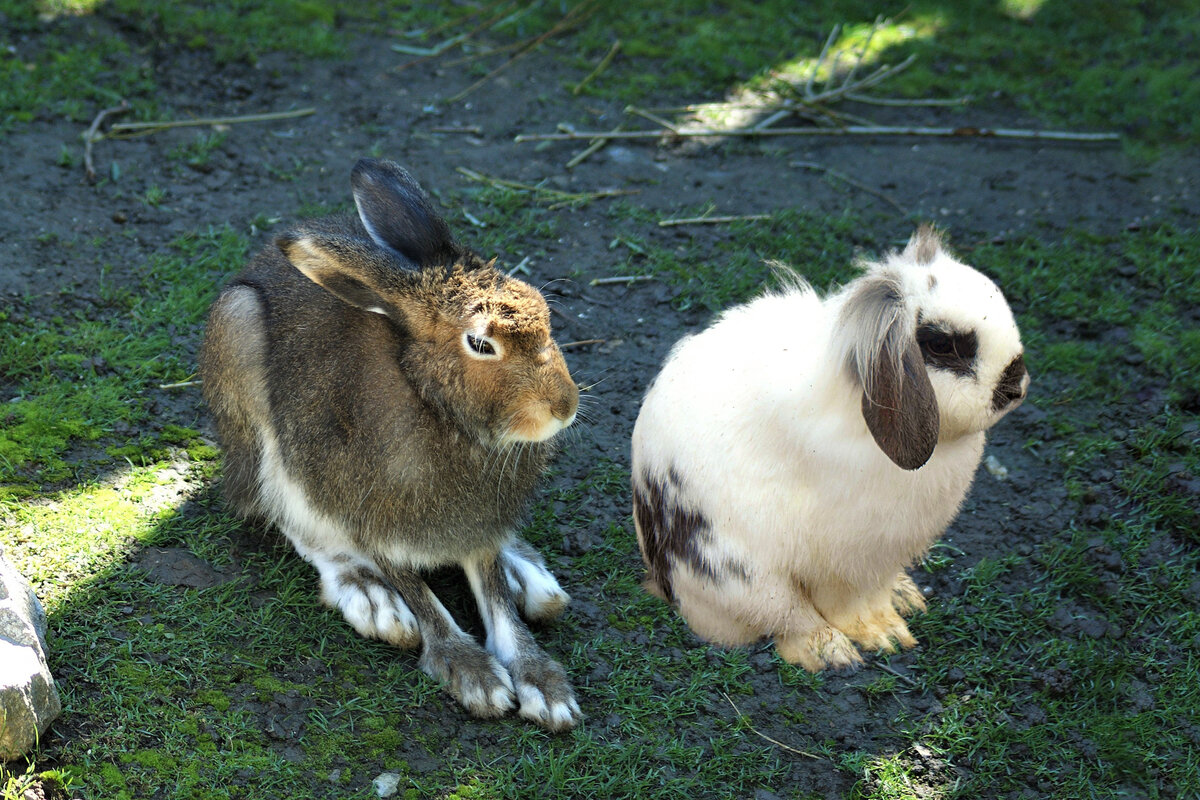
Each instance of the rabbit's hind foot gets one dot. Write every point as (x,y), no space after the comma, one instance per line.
(906,597)
(817,649)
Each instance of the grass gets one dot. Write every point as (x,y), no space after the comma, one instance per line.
(252,688)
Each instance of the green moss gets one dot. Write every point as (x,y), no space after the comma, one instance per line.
(215,698)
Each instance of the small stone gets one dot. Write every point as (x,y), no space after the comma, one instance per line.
(387,784)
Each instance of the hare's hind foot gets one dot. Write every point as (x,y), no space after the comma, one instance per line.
(543,690)
(545,693)
(822,648)
(535,591)
(470,674)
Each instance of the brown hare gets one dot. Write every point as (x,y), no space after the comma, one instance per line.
(387,399)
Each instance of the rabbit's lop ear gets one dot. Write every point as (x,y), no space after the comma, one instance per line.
(397,214)
(898,403)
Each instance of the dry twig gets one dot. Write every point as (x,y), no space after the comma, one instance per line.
(92,135)
(847,179)
(667,223)
(848,130)
(587,152)
(775,742)
(569,20)
(620,279)
(603,65)
(150,127)
(580,343)
(561,198)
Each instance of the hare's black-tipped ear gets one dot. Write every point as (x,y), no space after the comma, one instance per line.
(898,403)
(341,266)
(398,215)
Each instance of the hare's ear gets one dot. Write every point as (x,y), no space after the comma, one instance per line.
(898,403)
(343,266)
(398,215)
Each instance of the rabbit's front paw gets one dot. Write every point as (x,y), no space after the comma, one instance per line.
(823,648)
(544,692)
(471,674)
(906,597)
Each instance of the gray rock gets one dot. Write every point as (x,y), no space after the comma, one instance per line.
(387,784)
(29,700)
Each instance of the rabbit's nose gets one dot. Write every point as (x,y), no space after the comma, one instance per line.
(1011,387)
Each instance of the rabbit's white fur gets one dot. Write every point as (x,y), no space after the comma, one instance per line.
(784,516)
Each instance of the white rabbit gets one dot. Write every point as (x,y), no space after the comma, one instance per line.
(790,461)
(387,398)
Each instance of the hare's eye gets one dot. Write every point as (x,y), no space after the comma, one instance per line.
(480,345)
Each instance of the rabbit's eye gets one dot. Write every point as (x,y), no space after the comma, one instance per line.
(480,345)
(940,345)
(948,349)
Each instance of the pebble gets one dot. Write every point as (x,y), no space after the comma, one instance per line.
(387,784)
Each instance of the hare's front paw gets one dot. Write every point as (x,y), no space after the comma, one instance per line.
(822,648)
(906,597)
(545,693)
(535,591)
(471,674)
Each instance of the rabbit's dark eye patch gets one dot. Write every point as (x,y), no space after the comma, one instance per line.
(948,349)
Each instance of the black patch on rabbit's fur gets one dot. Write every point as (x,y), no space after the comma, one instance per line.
(1008,389)
(950,350)
(674,533)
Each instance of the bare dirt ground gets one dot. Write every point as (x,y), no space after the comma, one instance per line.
(978,189)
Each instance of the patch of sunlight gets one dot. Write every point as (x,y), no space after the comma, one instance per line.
(1021,9)
(891,777)
(852,57)
(53,9)
(64,540)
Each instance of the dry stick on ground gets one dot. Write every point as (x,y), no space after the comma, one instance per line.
(775,742)
(92,135)
(667,223)
(180,384)
(472,129)
(485,25)
(572,18)
(657,120)
(620,279)
(603,65)
(587,152)
(849,130)
(562,197)
(847,179)
(581,343)
(150,127)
